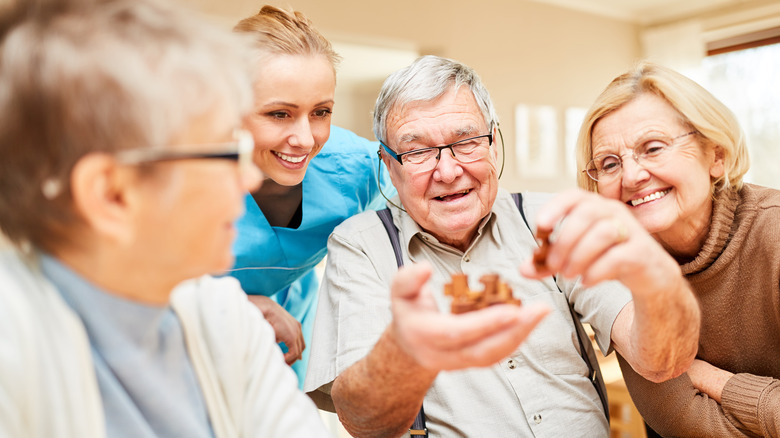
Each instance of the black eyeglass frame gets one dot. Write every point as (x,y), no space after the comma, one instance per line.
(398,157)
(394,155)
(238,150)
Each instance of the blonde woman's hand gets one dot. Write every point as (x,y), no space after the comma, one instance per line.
(599,239)
(708,378)
(287,328)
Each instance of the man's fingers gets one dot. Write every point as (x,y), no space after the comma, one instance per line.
(487,328)
(410,280)
(469,350)
(494,348)
(454,332)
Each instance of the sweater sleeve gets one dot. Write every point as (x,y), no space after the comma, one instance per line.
(753,403)
(676,408)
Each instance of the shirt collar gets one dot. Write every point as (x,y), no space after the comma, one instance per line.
(409,230)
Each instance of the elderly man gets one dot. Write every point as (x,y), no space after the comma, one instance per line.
(383,347)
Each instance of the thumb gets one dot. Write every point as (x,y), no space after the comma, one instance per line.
(410,280)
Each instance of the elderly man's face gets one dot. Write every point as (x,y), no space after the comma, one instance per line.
(450,200)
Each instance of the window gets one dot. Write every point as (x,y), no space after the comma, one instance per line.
(747,82)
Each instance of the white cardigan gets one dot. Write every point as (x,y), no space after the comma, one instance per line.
(47,380)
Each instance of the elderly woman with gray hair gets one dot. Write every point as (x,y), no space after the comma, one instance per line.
(675,155)
(121,174)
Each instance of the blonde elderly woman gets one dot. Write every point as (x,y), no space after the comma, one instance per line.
(675,155)
(121,175)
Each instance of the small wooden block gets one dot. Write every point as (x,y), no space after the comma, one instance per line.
(465,300)
(540,253)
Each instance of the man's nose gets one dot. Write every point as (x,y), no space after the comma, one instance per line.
(448,167)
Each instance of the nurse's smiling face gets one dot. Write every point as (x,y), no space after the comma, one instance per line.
(291,120)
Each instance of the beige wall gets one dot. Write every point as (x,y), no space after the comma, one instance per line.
(526,52)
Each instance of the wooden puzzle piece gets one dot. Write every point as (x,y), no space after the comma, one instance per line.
(540,253)
(465,300)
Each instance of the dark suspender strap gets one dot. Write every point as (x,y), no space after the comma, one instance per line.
(392,233)
(518,198)
(418,428)
(587,352)
(586,347)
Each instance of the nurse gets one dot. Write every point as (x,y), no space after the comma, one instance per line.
(317,175)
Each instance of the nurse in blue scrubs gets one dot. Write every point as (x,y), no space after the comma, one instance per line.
(317,175)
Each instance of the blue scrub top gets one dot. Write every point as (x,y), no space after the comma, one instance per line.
(279,262)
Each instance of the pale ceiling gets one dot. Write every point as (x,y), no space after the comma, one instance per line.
(643,11)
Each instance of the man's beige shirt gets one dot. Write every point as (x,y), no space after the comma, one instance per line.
(541,390)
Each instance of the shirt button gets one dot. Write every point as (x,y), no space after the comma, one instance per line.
(512,364)
(537,418)
(467,259)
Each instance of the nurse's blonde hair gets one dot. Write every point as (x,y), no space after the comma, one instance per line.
(280,32)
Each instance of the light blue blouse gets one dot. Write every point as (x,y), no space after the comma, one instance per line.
(147,383)
(279,262)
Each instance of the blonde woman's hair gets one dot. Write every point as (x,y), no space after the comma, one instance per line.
(281,32)
(698,108)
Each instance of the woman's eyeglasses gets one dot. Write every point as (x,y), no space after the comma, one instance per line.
(239,150)
(647,153)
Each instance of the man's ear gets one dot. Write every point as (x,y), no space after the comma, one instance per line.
(383,157)
(99,187)
(387,160)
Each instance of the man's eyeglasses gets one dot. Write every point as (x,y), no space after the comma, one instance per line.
(649,152)
(239,150)
(421,160)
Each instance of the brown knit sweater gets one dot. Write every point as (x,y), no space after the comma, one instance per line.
(736,277)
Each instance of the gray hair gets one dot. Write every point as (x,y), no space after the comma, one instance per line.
(83,77)
(427,78)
